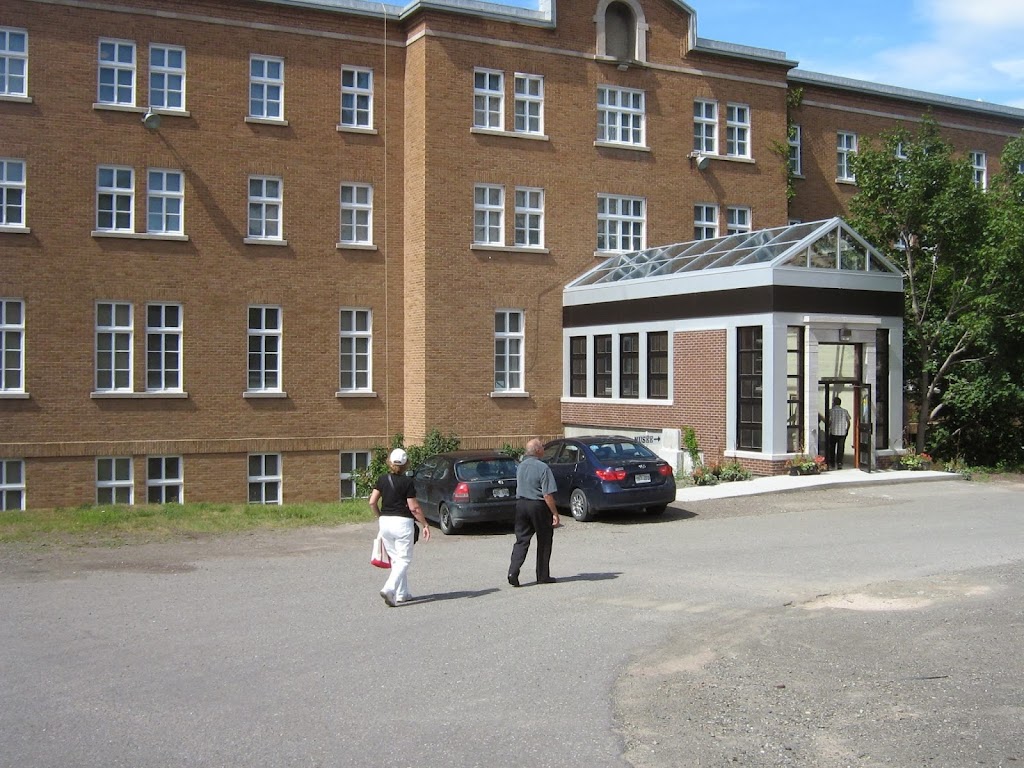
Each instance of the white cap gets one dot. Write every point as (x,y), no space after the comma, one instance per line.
(399,457)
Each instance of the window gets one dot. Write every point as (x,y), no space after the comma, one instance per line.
(167,77)
(796,161)
(356,98)
(901,151)
(12,485)
(113,347)
(356,351)
(351,462)
(264,349)
(705,221)
(529,220)
(488,99)
(12,345)
(264,478)
(705,127)
(165,202)
(265,202)
(13,62)
(657,365)
(12,192)
(163,348)
(266,88)
(115,199)
(979,169)
(578,366)
(882,374)
(737,220)
(164,482)
(489,215)
(620,223)
(508,350)
(603,366)
(529,104)
(114,480)
(737,130)
(794,389)
(116,76)
(749,357)
(846,148)
(620,32)
(356,214)
(629,365)
(620,116)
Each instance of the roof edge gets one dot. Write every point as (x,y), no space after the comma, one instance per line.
(720,48)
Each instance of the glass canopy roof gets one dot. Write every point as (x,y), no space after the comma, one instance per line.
(829,244)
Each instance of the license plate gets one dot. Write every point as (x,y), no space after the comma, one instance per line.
(642,479)
(500,493)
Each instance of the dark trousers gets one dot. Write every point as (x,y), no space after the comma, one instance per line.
(532,517)
(836,449)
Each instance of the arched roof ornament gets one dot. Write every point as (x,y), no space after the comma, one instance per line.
(640,28)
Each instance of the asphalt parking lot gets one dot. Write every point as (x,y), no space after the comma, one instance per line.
(866,625)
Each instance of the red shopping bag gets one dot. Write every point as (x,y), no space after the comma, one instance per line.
(378,555)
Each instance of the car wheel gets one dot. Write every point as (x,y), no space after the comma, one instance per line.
(444,520)
(657,509)
(580,507)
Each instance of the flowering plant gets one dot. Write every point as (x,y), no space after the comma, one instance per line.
(807,465)
(914,460)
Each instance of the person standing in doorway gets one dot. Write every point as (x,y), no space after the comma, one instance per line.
(536,513)
(838,429)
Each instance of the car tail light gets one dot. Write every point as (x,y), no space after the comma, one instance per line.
(461,492)
(665,470)
(611,474)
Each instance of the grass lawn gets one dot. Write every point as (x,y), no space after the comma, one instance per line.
(112,525)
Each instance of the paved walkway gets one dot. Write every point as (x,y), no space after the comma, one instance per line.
(831,479)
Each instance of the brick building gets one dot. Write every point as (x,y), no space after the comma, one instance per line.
(243,242)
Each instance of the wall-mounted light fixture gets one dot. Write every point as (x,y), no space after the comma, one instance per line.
(701,161)
(151,120)
(845,334)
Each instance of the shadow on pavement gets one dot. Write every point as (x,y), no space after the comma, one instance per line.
(451,596)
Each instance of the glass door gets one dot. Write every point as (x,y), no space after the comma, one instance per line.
(862,429)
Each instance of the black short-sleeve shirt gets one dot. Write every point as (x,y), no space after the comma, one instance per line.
(394,492)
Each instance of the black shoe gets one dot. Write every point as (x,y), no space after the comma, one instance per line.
(513,580)
(548,580)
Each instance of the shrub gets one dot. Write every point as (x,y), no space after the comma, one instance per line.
(434,442)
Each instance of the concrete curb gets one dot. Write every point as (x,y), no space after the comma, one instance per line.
(787,483)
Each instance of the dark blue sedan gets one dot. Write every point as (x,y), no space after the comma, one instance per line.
(603,472)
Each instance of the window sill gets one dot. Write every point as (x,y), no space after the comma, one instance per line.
(356,246)
(508,395)
(14,230)
(139,395)
(100,105)
(18,99)
(263,241)
(608,254)
(510,134)
(252,395)
(266,121)
(165,112)
(507,248)
(616,145)
(348,393)
(14,396)
(356,129)
(847,182)
(138,235)
(616,401)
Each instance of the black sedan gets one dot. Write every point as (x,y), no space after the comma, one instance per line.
(603,472)
(467,487)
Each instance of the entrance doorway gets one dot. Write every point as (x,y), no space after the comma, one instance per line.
(840,367)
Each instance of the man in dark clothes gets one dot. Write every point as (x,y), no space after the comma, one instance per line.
(536,513)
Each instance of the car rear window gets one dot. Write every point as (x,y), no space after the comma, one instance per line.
(486,469)
(617,450)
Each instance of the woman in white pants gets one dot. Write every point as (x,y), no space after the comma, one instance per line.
(393,500)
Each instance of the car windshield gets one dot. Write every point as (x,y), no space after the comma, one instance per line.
(486,469)
(619,450)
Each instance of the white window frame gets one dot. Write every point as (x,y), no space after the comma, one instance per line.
(164,347)
(356,98)
(13,188)
(115,334)
(737,130)
(705,221)
(705,126)
(265,477)
(12,485)
(529,217)
(14,63)
(266,90)
(901,152)
(111,64)
(979,169)
(621,116)
(113,196)
(355,350)
(796,150)
(121,480)
(161,481)
(264,361)
(266,209)
(489,214)
(355,214)
(165,201)
(509,350)
(621,223)
(12,346)
(489,99)
(528,104)
(737,220)
(349,462)
(846,147)
(166,80)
